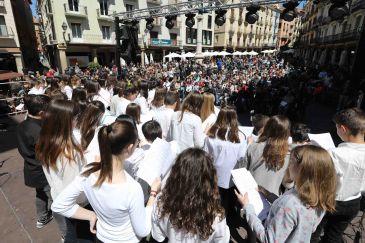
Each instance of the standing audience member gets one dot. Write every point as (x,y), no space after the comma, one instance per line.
(349,160)
(268,158)
(164,116)
(115,196)
(186,125)
(207,112)
(27,135)
(295,215)
(189,209)
(60,154)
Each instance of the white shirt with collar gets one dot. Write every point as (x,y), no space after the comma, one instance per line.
(349,160)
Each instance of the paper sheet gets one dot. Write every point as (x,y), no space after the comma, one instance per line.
(156,162)
(246,183)
(323,139)
(246,130)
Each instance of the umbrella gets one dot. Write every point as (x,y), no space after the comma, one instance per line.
(208,54)
(188,54)
(237,53)
(173,55)
(224,53)
(252,53)
(266,51)
(146,59)
(245,53)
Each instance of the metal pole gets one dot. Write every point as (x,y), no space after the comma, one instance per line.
(199,38)
(117,47)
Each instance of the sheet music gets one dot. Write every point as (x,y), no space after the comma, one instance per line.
(246,130)
(156,162)
(323,139)
(245,182)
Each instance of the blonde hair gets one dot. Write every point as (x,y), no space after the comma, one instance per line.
(316,180)
(207,107)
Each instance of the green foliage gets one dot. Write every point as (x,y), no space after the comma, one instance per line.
(93,66)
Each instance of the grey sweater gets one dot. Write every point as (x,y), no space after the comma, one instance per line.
(266,177)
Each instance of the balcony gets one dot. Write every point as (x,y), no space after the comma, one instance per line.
(93,39)
(240,21)
(352,35)
(157,2)
(6,32)
(104,16)
(75,11)
(360,4)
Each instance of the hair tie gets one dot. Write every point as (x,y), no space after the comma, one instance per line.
(109,129)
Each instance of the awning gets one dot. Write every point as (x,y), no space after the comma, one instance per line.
(9,75)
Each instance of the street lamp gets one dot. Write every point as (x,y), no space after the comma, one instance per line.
(64,27)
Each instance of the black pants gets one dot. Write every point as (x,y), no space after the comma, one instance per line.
(334,224)
(78,231)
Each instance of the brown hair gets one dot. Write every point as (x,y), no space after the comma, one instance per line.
(316,178)
(159,98)
(276,133)
(226,124)
(353,119)
(207,106)
(90,119)
(193,103)
(134,111)
(112,140)
(56,138)
(190,198)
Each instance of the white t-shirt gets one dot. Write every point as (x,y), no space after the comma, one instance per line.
(119,208)
(121,106)
(209,122)
(188,132)
(163,117)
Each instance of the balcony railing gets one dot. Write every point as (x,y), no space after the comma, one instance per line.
(93,39)
(76,11)
(105,16)
(342,37)
(360,4)
(232,18)
(6,32)
(154,1)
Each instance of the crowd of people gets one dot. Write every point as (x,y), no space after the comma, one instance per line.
(148,156)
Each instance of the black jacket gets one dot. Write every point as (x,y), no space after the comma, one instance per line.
(27,135)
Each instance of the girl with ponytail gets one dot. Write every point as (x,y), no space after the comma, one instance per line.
(115,196)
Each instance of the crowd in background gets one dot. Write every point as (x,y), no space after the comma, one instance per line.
(147,156)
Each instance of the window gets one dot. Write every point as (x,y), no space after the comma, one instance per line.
(209,21)
(153,34)
(103,7)
(106,32)
(191,35)
(3,29)
(207,37)
(76,30)
(73,5)
(129,7)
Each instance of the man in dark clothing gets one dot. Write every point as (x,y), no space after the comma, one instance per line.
(27,135)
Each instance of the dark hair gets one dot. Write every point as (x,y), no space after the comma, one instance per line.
(57,95)
(92,88)
(159,98)
(134,111)
(353,119)
(193,103)
(190,198)
(125,117)
(152,130)
(36,103)
(143,89)
(90,119)
(299,133)
(56,137)
(275,134)
(79,96)
(258,122)
(112,140)
(171,97)
(226,126)
(129,89)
